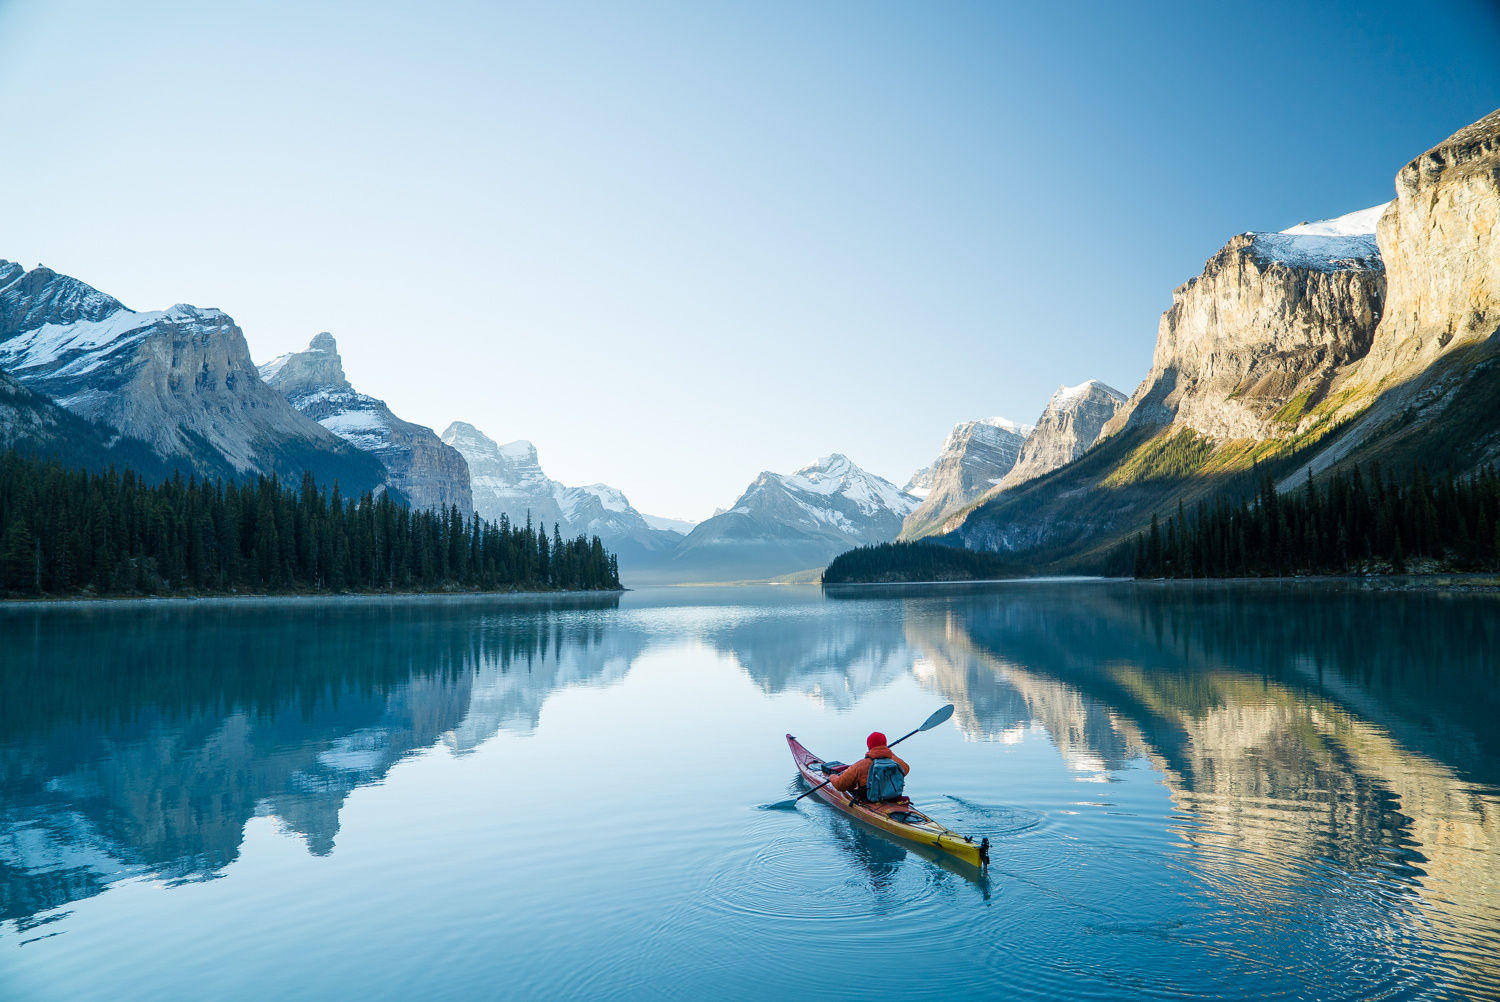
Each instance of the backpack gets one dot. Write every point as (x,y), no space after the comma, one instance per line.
(885,780)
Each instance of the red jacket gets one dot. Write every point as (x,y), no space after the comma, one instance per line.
(855,775)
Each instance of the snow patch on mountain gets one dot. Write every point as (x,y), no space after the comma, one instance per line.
(1325,245)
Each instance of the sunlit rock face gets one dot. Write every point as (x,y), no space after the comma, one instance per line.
(420,467)
(1272,315)
(1440,240)
(1072,421)
(974,458)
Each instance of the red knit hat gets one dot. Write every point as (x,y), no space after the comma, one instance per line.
(875,740)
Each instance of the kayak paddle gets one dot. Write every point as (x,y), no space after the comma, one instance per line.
(941,716)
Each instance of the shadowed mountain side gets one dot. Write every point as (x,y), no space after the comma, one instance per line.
(34,426)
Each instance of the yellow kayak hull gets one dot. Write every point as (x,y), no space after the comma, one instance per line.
(897,818)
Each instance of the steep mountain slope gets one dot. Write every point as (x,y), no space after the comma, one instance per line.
(35,426)
(419,466)
(973,459)
(1298,351)
(1429,388)
(1244,350)
(792,522)
(508,480)
(1070,424)
(179,379)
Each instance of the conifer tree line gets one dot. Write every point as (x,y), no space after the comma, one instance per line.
(917,561)
(69,532)
(1351,522)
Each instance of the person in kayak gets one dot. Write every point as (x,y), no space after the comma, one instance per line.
(889,772)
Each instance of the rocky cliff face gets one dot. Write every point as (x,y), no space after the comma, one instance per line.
(974,458)
(508,480)
(1272,315)
(1072,421)
(179,379)
(420,467)
(1427,389)
(1441,242)
(785,523)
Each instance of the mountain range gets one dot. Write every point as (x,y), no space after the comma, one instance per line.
(180,380)
(508,481)
(1371,336)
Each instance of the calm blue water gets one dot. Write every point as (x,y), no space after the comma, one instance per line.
(1221,792)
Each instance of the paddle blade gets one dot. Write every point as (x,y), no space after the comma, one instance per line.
(780,805)
(941,716)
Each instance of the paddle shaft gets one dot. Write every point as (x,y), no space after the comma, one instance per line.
(827,781)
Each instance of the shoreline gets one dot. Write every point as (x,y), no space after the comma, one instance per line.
(1472,581)
(341,598)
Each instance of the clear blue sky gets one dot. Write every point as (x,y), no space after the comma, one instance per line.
(677,244)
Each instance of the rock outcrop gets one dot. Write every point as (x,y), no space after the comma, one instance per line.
(1072,421)
(974,458)
(179,379)
(1426,391)
(421,469)
(784,523)
(1441,242)
(1272,316)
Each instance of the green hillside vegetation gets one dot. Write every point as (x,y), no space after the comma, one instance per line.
(72,532)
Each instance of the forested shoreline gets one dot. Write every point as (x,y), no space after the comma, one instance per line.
(1350,523)
(72,533)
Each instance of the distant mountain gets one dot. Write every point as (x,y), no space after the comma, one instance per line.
(179,379)
(681,526)
(1071,422)
(420,467)
(508,480)
(785,523)
(974,457)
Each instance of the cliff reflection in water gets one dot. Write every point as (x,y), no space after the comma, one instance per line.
(141,742)
(1300,730)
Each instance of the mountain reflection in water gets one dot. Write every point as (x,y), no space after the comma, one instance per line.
(1330,754)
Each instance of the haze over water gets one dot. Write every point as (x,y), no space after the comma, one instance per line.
(1224,791)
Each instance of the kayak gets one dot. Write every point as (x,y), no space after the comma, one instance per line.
(895,817)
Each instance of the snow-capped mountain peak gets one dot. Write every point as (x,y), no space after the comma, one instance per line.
(508,480)
(787,522)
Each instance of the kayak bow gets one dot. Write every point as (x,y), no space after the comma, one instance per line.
(897,817)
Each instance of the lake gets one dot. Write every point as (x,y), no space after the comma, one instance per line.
(1222,791)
